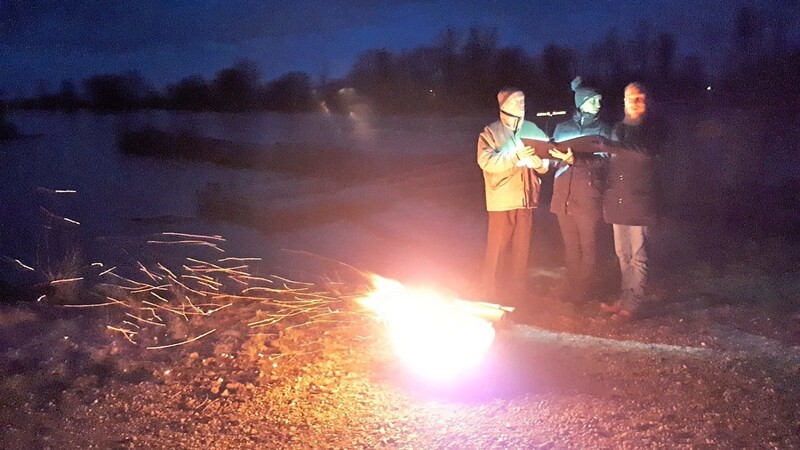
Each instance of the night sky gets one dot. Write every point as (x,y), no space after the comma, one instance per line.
(169,40)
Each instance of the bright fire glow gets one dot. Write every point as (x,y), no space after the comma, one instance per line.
(436,337)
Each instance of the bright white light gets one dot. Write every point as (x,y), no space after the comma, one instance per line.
(708,88)
(432,335)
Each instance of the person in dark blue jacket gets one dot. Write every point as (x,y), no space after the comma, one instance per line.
(577,194)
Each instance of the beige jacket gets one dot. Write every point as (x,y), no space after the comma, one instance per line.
(508,186)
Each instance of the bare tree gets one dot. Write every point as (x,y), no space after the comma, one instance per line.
(664,48)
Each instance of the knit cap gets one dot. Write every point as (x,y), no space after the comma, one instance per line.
(582,93)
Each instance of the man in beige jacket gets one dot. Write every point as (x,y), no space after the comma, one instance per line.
(510,174)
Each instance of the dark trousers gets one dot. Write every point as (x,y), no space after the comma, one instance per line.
(505,268)
(580,235)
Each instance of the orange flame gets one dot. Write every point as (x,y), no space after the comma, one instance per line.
(436,337)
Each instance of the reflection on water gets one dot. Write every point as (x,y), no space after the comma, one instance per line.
(78,152)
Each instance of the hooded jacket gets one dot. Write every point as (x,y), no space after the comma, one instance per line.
(578,188)
(507,186)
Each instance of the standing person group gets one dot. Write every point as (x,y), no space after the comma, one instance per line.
(588,188)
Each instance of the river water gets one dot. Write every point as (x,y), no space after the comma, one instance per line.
(120,195)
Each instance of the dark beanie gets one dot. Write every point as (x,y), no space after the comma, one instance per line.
(582,93)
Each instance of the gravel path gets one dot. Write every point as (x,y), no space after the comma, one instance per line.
(539,388)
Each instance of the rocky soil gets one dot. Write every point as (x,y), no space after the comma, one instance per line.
(704,375)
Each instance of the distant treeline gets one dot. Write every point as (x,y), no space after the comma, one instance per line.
(461,72)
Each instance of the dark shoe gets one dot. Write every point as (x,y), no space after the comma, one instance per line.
(611,308)
(623,315)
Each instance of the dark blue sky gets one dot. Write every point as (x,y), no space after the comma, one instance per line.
(168,40)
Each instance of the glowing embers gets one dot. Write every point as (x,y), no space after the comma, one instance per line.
(436,337)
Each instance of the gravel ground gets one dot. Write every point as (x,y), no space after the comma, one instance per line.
(648,383)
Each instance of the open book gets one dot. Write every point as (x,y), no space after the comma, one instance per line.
(583,144)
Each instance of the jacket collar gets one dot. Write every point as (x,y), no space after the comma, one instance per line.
(583,119)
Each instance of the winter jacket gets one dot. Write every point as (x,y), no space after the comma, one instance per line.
(508,186)
(630,198)
(578,188)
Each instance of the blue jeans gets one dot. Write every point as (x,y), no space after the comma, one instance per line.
(630,245)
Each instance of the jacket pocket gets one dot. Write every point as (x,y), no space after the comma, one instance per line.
(499,181)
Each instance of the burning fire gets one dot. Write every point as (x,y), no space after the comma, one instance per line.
(436,337)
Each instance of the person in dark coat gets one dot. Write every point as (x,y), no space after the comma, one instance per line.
(577,193)
(630,202)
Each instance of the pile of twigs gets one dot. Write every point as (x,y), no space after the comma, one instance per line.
(190,293)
